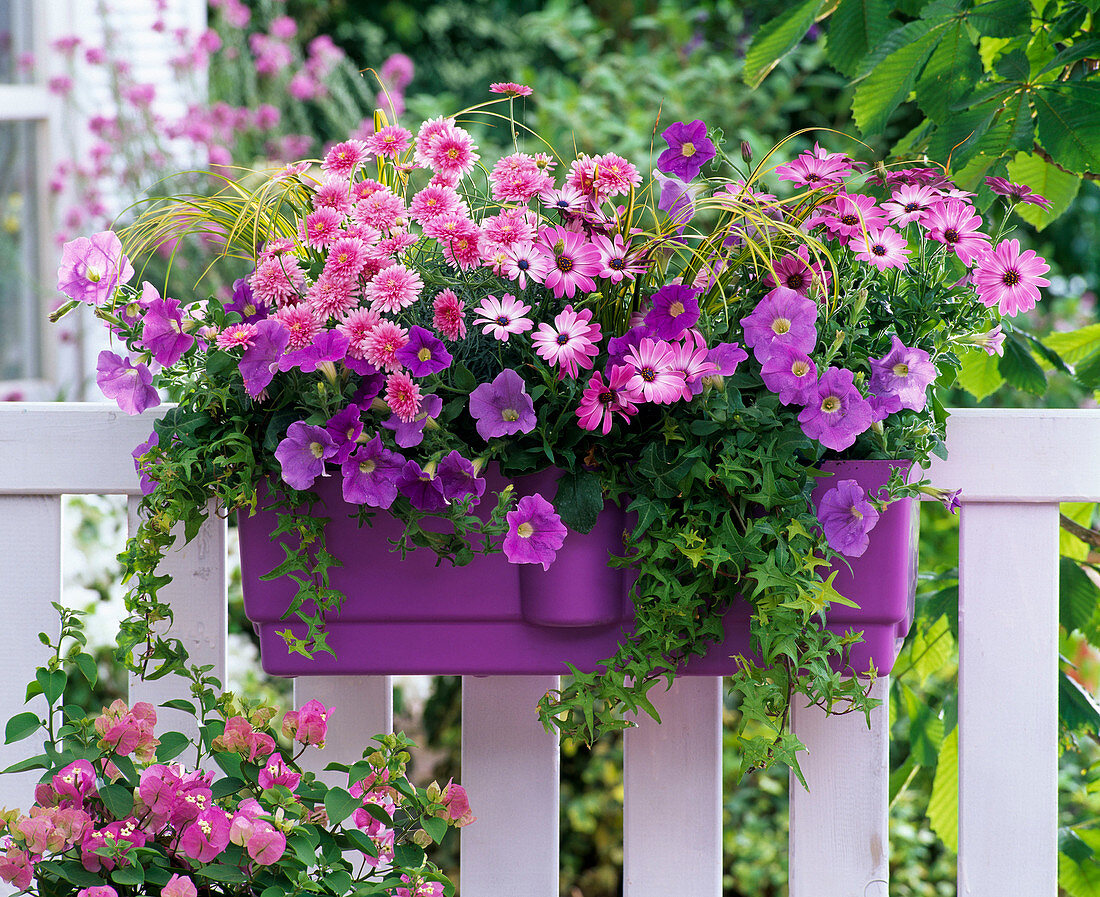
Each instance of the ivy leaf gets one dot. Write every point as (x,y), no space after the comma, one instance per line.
(579,500)
(979,374)
(1020,369)
(1049,181)
(777,38)
(855,29)
(943,806)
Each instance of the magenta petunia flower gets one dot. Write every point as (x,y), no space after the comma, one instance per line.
(677,201)
(370,475)
(601,401)
(345,427)
(847,518)
(1010,279)
(655,377)
(790,374)
(142,465)
(260,360)
(1017,192)
(409,434)
(726,356)
(424,491)
(689,149)
(424,353)
(570,343)
(571,260)
(674,310)
(302,454)
(503,317)
(782,317)
(128,384)
(328,346)
(458,479)
(835,413)
(903,372)
(535,532)
(162,330)
(92,268)
(502,408)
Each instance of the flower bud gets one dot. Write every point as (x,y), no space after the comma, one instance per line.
(746,152)
(421,838)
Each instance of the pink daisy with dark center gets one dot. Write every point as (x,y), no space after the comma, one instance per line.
(883,249)
(655,378)
(1010,279)
(1017,192)
(502,317)
(571,261)
(570,342)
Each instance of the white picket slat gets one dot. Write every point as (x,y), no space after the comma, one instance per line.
(362,707)
(510,769)
(1008,700)
(672,801)
(839,840)
(30,536)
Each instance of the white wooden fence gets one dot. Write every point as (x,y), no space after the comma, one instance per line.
(1013,467)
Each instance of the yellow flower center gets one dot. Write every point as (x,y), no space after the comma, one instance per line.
(510,415)
(830,404)
(901,370)
(677,308)
(781,325)
(425,354)
(316,449)
(94,275)
(367,466)
(687,150)
(525,530)
(800,369)
(855,513)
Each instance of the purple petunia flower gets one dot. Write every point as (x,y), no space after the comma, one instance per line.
(370,386)
(162,329)
(303,453)
(726,357)
(903,372)
(260,361)
(689,149)
(344,427)
(619,346)
(329,346)
(244,304)
(459,479)
(424,353)
(674,310)
(677,201)
(92,268)
(790,374)
(128,384)
(146,484)
(847,518)
(502,407)
(835,413)
(424,492)
(535,532)
(370,475)
(784,317)
(408,435)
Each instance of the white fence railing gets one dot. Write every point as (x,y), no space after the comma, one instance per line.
(1013,467)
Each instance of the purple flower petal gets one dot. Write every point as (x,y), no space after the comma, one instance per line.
(535,532)
(847,518)
(128,384)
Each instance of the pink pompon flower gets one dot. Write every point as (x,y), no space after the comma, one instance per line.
(883,249)
(301,323)
(435,200)
(601,401)
(654,376)
(510,89)
(572,262)
(570,343)
(1010,279)
(403,396)
(393,288)
(381,345)
(452,154)
(448,315)
(615,176)
(321,228)
(345,157)
(236,335)
(535,532)
(391,141)
(502,317)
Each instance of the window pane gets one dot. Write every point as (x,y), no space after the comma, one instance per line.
(20,314)
(15,40)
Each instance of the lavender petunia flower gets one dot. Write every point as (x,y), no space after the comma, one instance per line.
(344,427)
(128,384)
(784,317)
(502,407)
(835,413)
(790,374)
(370,475)
(424,492)
(677,201)
(330,346)
(146,484)
(424,353)
(370,386)
(244,304)
(408,435)
(903,372)
(847,518)
(92,268)
(726,357)
(689,149)
(260,360)
(459,479)
(535,532)
(674,310)
(162,330)
(303,453)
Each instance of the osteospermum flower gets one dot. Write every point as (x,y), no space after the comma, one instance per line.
(510,89)
(910,202)
(796,272)
(655,378)
(954,223)
(1010,279)
(568,200)
(571,261)
(903,372)
(393,288)
(847,518)
(448,315)
(570,343)
(601,400)
(883,249)
(615,260)
(816,168)
(853,215)
(522,261)
(689,149)
(1017,192)
(502,317)
(403,396)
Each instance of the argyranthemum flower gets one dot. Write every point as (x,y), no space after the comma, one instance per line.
(403,395)
(570,343)
(345,157)
(510,89)
(883,249)
(321,228)
(503,317)
(448,315)
(502,408)
(572,262)
(535,532)
(1010,279)
(903,372)
(601,401)
(381,344)
(689,149)
(391,141)
(654,376)
(847,517)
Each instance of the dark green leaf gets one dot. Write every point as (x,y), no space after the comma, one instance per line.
(777,38)
(380,814)
(1013,66)
(72,872)
(408,855)
(223,872)
(1001,18)
(1085,49)
(52,683)
(889,84)
(20,726)
(579,500)
(87,666)
(1078,596)
(1077,709)
(1020,369)
(230,764)
(126,767)
(854,30)
(131,875)
(435,827)
(463,379)
(227,785)
(172,744)
(339,804)
(118,799)
(38,762)
(179,704)
(1069,125)
(951,73)
(1088,370)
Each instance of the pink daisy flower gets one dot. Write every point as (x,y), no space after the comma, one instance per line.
(426,137)
(452,154)
(332,297)
(690,358)
(300,322)
(522,261)
(511,226)
(883,249)
(382,209)
(345,157)
(393,288)
(381,345)
(391,141)
(568,200)
(502,317)
(346,258)
(277,280)
(510,89)
(816,168)
(321,228)
(615,176)
(615,261)
(357,327)
(333,194)
(1017,192)
(955,224)
(853,215)
(1010,279)
(909,202)
(236,335)
(570,343)
(601,401)
(572,262)
(433,201)
(448,315)
(795,272)
(403,396)
(655,377)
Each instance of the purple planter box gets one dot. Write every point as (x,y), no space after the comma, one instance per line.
(495,618)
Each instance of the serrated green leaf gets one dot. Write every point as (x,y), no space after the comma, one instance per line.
(1020,369)
(943,806)
(1069,546)
(777,38)
(1069,126)
(889,84)
(1077,709)
(979,374)
(1000,18)
(20,726)
(1079,50)
(1049,181)
(1078,596)
(1073,345)
(339,804)
(1087,370)
(855,28)
(950,74)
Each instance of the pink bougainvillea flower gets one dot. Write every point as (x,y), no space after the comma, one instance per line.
(847,518)
(835,413)
(572,262)
(448,315)
(510,89)
(308,725)
(655,378)
(179,886)
(206,835)
(128,384)
(601,400)
(92,268)
(128,731)
(884,249)
(903,372)
(502,317)
(535,533)
(1010,279)
(502,407)
(302,454)
(570,343)
(276,772)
